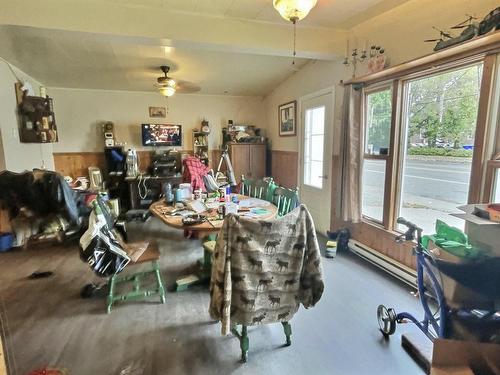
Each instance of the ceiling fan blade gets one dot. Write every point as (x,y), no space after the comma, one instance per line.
(185,87)
(432,40)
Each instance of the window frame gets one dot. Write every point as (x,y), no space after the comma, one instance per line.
(482,170)
(366,92)
(303,146)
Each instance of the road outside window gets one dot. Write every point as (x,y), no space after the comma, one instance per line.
(440,127)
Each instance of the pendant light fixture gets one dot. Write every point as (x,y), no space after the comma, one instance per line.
(293,11)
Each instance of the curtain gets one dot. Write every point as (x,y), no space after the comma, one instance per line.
(351,154)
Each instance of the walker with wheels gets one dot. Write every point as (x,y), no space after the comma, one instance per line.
(434,323)
(481,275)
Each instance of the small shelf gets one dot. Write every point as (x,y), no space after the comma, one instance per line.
(200,146)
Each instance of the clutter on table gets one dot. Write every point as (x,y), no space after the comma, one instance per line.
(214,206)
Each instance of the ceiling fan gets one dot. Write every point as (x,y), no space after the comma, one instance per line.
(167,86)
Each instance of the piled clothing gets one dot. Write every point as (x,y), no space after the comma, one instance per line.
(194,171)
(43,193)
(263,270)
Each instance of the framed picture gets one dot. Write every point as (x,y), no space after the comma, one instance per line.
(287,119)
(157,112)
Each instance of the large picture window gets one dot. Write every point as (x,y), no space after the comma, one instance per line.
(440,126)
(424,146)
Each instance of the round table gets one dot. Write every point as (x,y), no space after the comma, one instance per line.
(205,231)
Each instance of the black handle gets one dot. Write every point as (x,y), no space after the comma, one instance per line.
(409,235)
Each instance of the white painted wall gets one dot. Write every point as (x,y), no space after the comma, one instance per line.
(80,113)
(14,155)
(401,31)
(315,76)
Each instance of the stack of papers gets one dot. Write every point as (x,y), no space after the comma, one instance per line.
(253,202)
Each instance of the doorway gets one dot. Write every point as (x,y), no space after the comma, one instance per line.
(316,156)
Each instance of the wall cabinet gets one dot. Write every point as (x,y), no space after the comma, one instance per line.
(248,159)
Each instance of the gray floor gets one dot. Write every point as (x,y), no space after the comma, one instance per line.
(45,322)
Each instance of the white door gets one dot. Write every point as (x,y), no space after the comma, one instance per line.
(316,139)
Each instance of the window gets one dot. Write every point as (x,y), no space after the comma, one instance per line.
(378,115)
(496,191)
(429,173)
(440,124)
(313,146)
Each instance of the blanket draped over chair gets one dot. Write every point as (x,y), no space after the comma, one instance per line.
(263,270)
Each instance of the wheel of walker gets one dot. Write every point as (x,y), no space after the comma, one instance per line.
(386,320)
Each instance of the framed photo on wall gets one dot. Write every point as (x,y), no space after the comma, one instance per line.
(157,112)
(287,119)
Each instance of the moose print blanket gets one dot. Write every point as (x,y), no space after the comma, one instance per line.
(263,270)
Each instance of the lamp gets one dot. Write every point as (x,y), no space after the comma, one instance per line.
(294,10)
(167,90)
(166,85)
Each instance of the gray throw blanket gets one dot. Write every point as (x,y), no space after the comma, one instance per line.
(263,270)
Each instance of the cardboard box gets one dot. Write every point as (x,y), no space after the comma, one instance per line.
(457,295)
(451,357)
(482,233)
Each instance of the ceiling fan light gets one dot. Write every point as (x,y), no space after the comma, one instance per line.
(167,90)
(294,10)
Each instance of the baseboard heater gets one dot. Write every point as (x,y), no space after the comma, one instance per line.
(389,265)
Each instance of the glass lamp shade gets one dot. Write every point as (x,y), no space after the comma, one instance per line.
(294,10)
(169,89)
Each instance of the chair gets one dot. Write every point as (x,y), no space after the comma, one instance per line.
(245,342)
(150,255)
(262,189)
(285,199)
(139,253)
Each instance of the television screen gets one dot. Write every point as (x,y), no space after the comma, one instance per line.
(161,135)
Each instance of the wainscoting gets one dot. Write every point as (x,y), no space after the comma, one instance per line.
(75,164)
(284,168)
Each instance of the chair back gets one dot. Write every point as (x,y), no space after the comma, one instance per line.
(246,186)
(261,189)
(285,199)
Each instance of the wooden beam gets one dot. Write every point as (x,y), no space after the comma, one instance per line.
(482,45)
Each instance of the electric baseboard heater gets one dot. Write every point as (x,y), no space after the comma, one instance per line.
(389,265)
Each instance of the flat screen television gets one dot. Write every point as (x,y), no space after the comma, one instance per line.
(161,135)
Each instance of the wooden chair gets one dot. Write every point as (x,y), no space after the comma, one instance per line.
(285,199)
(262,189)
(139,253)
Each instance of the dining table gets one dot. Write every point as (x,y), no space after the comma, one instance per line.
(253,208)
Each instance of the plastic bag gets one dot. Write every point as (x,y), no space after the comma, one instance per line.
(101,249)
(452,240)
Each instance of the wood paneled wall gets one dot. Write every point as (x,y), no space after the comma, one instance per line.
(75,164)
(284,167)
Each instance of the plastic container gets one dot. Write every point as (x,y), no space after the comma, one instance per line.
(6,241)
